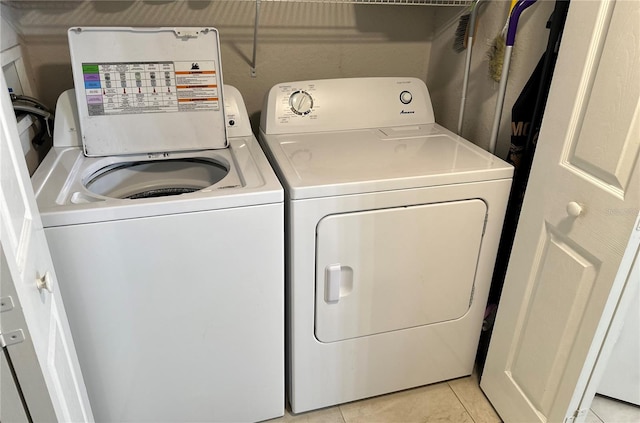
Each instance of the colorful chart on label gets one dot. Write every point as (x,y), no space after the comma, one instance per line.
(150,87)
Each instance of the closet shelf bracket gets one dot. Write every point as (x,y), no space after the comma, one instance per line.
(255,39)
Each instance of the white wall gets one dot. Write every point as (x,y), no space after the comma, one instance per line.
(8,36)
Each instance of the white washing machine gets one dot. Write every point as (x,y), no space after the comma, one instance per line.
(392,226)
(168,242)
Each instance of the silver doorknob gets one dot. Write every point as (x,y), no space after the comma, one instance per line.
(45,282)
(574,209)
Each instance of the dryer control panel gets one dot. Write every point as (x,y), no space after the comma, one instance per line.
(343,104)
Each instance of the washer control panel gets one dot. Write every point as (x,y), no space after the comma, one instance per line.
(344,104)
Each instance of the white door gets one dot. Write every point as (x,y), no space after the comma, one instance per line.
(31,296)
(579,211)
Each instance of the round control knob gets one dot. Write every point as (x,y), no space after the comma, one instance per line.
(406,97)
(301,102)
(574,209)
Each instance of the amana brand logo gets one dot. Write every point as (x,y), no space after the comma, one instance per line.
(405,112)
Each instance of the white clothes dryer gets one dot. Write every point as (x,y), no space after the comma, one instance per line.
(168,241)
(392,226)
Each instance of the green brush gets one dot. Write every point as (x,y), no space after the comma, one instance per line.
(496,57)
(496,51)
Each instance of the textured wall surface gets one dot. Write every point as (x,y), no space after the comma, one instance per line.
(8,37)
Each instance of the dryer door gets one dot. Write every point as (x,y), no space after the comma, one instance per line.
(391,269)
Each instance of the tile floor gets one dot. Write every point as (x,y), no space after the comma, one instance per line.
(607,410)
(456,401)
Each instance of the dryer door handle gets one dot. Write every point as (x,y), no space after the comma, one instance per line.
(333,281)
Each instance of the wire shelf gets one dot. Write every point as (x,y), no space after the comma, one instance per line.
(71,4)
(386,2)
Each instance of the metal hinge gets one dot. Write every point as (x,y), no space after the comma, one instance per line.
(188,33)
(6,304)
(11,338)
(576,414)
(15,336)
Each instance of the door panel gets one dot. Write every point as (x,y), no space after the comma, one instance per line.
(578,213)
(552,318)
(614,75)
(392,269)
(46,363)
(15,213)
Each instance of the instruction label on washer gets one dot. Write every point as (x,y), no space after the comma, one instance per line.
(150,87)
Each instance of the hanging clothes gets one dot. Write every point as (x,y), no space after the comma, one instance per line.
(521,119)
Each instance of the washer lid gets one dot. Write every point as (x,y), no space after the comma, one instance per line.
(148,90)
(372,160)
